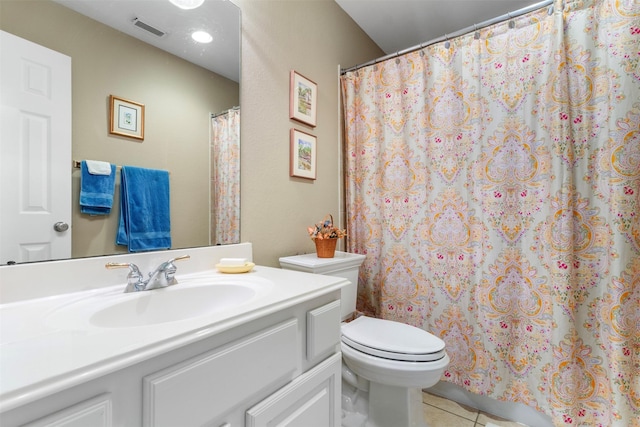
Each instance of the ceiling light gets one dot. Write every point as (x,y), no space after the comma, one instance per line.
(201,37)
(187,4)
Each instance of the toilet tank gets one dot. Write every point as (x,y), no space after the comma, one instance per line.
(343,264)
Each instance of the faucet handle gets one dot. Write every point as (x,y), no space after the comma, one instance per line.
(170,269)
(179,258)
(134,278)
(132,267)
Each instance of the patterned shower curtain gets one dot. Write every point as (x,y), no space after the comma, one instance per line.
(225,178)
(494,184)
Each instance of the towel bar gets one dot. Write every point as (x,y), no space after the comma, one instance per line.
(76,165)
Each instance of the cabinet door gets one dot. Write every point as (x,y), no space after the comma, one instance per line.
(323,330)
(199,390)
(95,412)
(311,400)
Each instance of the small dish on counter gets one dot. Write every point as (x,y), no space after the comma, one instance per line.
(233,269)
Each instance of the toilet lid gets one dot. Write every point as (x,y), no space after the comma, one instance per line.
(392,340)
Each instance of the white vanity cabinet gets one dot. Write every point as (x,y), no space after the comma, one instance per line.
(313,398)
(280,367)
(94,412)
(310,400)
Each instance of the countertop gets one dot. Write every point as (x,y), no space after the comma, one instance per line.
(40,355)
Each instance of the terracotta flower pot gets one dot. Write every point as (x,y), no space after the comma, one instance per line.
(325,248)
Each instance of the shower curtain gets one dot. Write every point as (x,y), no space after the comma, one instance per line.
(225,177)
(494,184)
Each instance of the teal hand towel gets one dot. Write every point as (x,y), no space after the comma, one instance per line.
(145,222)
(96,191)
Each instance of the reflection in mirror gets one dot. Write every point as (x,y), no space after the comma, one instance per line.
(225,177)
(180,99)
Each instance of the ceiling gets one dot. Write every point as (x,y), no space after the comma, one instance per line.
(395,25)
(221,18)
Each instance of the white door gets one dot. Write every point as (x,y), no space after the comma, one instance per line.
(35,151)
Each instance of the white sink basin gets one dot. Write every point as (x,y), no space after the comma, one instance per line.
(115,309)
(170,305)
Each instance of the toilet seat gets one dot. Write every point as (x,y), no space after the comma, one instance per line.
(392,340)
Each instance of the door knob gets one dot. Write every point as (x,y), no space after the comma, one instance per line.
(61,226)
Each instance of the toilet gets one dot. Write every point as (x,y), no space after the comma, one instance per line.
(386,364)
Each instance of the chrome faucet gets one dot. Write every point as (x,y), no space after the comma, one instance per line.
(162,276)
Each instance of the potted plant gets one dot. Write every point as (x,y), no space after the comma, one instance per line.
(325,235)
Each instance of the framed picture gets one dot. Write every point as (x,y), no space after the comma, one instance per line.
(303,101)
(126,118)
(303,155)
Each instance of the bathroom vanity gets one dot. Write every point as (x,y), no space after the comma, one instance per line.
(89,355)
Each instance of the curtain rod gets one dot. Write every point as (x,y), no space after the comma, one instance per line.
(458,33)
(213,116)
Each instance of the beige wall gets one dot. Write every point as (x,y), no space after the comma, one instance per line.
(313,37)
(178,98)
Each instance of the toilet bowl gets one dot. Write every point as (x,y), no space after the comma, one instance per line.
(386,364)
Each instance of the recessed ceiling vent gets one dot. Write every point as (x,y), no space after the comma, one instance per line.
(148,28)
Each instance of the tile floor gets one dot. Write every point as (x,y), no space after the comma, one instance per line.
(441,412)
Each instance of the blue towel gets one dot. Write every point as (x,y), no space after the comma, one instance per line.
(145,222)
(96,191)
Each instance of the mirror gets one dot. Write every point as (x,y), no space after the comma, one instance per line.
(180,99)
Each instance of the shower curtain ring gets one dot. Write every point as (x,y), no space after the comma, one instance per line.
(511,23)
(397,57)
(476,33)
(447,44)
